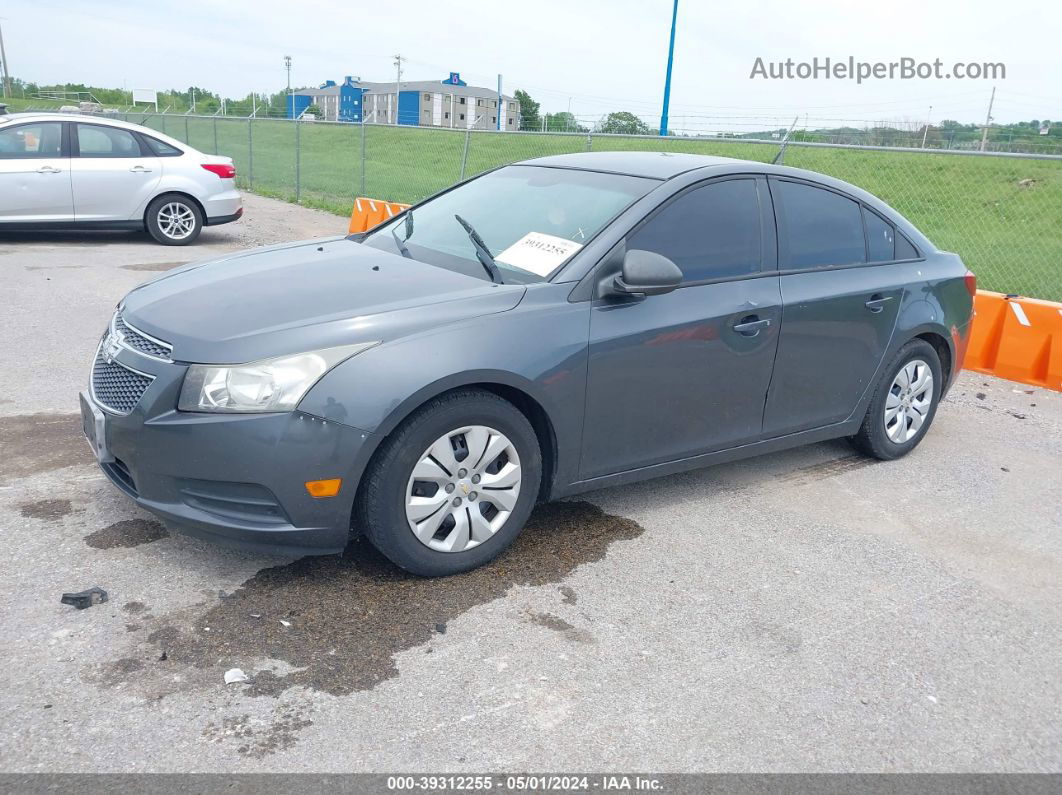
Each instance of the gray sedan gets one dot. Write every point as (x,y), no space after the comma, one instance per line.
(550,327)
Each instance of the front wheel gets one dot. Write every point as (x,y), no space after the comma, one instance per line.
(904,404)
(174,220)
(452,487)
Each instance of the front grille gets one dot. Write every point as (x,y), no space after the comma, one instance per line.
(139,341)
(116,387)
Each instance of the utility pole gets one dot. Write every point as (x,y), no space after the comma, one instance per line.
(291,97)
(398,76)
(667,79)
(988,120)
(7,71)
(193,100)
(501,103)
(925,132)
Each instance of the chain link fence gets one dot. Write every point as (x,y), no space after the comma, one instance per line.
(1001,212)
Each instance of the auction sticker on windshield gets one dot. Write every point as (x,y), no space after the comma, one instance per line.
(538,253)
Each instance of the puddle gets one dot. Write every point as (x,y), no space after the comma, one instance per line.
(49,510)
(34,443)
(127,533)
(348,616)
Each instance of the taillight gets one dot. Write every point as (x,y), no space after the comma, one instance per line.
(223,170)
(971,283)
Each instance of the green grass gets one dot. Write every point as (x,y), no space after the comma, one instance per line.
(1002,215)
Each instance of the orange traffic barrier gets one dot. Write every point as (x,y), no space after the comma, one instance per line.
(367,213)
(1019,339)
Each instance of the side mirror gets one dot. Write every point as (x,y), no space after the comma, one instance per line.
(646,273)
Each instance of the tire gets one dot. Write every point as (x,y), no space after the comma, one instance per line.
(888,439)
(392,500)
(174,220)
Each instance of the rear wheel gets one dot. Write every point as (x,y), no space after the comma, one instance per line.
(904,404)
(174,220)
(453,486)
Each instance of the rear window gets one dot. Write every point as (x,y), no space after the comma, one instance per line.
(904,248)
(822,228)
(881,243)
(161,148)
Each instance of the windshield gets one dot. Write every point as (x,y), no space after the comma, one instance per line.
(532,219)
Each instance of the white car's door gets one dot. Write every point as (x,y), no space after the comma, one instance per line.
(34,173)
(112,178)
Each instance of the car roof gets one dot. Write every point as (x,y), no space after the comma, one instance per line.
(655,165)
(94,119)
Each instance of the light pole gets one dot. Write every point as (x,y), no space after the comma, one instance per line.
(7,71)
(667,79)
(291,98)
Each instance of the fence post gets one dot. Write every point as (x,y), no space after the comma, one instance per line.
(250,157)
(187,135)
(464,155)
(363,156)
(163,118)
(589,141)
(298,157)
(215,135)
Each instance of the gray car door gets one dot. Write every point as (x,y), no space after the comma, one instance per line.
(839,307)
(674,375)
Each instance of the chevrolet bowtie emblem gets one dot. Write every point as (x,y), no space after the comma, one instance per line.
(111,346)
(464,488)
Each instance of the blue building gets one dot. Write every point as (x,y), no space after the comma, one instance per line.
(342,102)
(450,102)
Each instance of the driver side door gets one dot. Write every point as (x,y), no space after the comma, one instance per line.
(676,375)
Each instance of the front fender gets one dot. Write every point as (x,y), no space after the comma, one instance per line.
(538,348)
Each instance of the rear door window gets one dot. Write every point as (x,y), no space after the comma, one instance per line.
(818,228)
(95,140)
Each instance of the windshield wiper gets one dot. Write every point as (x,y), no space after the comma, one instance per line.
(482,252)
(409,231)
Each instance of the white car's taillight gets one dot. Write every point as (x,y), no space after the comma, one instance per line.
(223,170)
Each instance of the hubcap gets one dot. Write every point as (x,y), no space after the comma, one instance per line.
(908,402)
(176,220)
(463,488)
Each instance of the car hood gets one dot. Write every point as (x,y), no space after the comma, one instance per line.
(304,296)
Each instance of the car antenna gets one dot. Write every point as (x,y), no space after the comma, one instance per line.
(778,158)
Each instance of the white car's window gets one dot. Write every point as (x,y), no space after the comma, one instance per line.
(535,216)
(97,141)
(44,139)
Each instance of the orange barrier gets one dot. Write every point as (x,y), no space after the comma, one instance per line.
(1016,338)
(367,213)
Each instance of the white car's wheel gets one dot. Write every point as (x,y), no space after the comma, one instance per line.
(174,220)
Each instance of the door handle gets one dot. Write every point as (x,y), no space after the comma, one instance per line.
(48,170)
(750,326)
(140,170)
(877,302)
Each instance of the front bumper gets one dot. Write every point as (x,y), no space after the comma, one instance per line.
(233,478)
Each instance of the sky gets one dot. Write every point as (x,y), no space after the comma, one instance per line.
(591,56)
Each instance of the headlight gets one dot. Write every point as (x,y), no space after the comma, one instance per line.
(269,385)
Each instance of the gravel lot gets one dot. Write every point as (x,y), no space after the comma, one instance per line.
(808,611)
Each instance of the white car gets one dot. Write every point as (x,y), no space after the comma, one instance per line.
(91,172)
